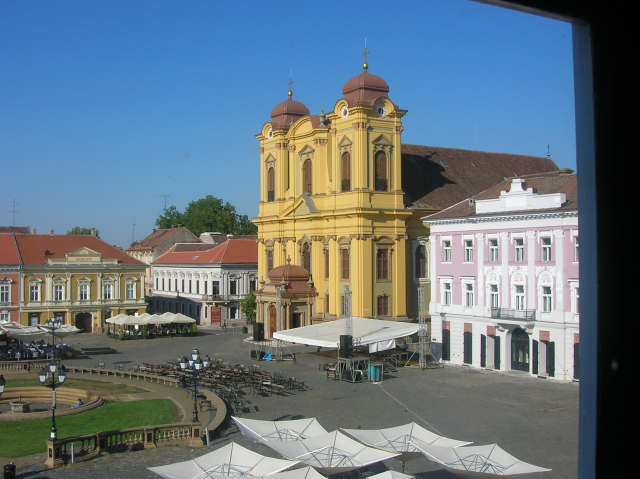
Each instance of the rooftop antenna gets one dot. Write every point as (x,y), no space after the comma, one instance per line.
(365,65)
(165,200)
(134,229)
(14,211)
(476,127)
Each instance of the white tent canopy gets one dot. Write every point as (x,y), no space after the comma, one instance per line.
(230,460)
(377,334)
(404,439)
(479,461)
(294,430)
(330,453)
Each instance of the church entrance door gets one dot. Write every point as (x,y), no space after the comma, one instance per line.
(297,320)
(272,320)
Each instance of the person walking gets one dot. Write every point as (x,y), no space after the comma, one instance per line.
(224,324)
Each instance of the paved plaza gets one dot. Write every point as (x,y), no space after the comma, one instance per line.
(536,420)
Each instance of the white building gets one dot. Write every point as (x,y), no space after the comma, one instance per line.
(505,291)
(206,281)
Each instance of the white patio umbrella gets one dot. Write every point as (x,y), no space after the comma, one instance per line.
(26,334)
(479,461)
(403,439)
(114,319)
(294,430)
(180,318)
(159,319)
(391,475)
(133,320)
(330,453)
(61,332)
(230,460)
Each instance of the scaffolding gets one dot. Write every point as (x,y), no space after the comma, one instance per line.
(424,351)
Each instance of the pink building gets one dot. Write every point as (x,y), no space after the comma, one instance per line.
(505,291)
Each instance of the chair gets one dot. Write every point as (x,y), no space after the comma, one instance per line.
(332,373)
(100,366)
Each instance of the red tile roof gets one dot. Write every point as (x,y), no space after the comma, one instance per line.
(8,251)
(436,178)
(544,184)
(37,249)
(159,237)
(15,229)
(234,250)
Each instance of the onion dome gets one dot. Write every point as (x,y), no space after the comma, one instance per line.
(290,273)
(364,89)
(287,112)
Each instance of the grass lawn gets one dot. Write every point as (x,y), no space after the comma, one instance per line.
(23,438)
(95,387)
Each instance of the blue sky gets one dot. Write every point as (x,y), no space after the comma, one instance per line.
(105,105)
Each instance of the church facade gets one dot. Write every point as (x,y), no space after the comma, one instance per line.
(343,198)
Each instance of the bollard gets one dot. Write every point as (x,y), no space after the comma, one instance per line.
(10,471)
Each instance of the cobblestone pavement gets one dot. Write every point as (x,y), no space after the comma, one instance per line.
(535,420)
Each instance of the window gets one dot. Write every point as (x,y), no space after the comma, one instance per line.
(306,177)
(344,256)
(421,262)
(383,305)
(84,292)
(577,301)
(190,285)
(233,313)
(34,292)
(269,260)
(107,290)
(215,288)
(4,293)
(546,249)
(346,171)
(519,242)
(183,288)
(446,256)
(520,297)
(446,294)
(157,280)
(381,183)
(58,292)
(576,250)
(253,284)
(197,286)
(182,308)
(468,251)
(190,306)
(468,295)
(130,292)
(546,299)
(495,302)
(306,255)
(206,287)
(4,317)
(342,305)
(271,185)
(493,250)
(233,287)
(175,284)
(326,264)
(383,264)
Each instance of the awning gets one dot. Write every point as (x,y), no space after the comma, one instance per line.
(375,333)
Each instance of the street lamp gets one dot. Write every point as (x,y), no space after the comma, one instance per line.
(48,379)
(196,364)
(53,323)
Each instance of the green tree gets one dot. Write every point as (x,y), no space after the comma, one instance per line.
(208,214)
(248,306)
(77,230)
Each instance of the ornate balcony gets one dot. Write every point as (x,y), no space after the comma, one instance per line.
(509,313)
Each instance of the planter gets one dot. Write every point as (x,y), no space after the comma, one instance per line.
(21,407)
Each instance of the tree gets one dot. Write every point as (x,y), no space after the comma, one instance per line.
(208,214)
(248,306)
(77,230)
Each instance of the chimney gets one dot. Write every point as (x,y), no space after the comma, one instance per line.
(33,231)
(93,232)
(154,230)
(51,232)
(179,226)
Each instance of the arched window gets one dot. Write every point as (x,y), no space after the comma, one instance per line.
(271,185)
(381,171)
(421,262)
(306,177)
(346,171)
(306,256)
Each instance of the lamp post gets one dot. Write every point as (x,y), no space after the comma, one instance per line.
(53,323)
(196,364)
(53,377)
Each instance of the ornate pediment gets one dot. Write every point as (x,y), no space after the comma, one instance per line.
(382,141)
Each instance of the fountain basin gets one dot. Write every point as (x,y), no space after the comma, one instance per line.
(20,406)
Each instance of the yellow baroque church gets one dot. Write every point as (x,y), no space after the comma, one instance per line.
(342,202)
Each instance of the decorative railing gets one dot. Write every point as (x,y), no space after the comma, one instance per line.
(509,313)
(20,365)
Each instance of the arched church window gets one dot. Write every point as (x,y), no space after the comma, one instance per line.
(271,184)
(306,177)
(306,256)
(346,171)
(381,183)
(421,262)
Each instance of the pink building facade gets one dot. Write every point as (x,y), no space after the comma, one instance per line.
(505,291)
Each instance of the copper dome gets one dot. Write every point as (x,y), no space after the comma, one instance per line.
(364,89)
(290,272)
(286,111)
